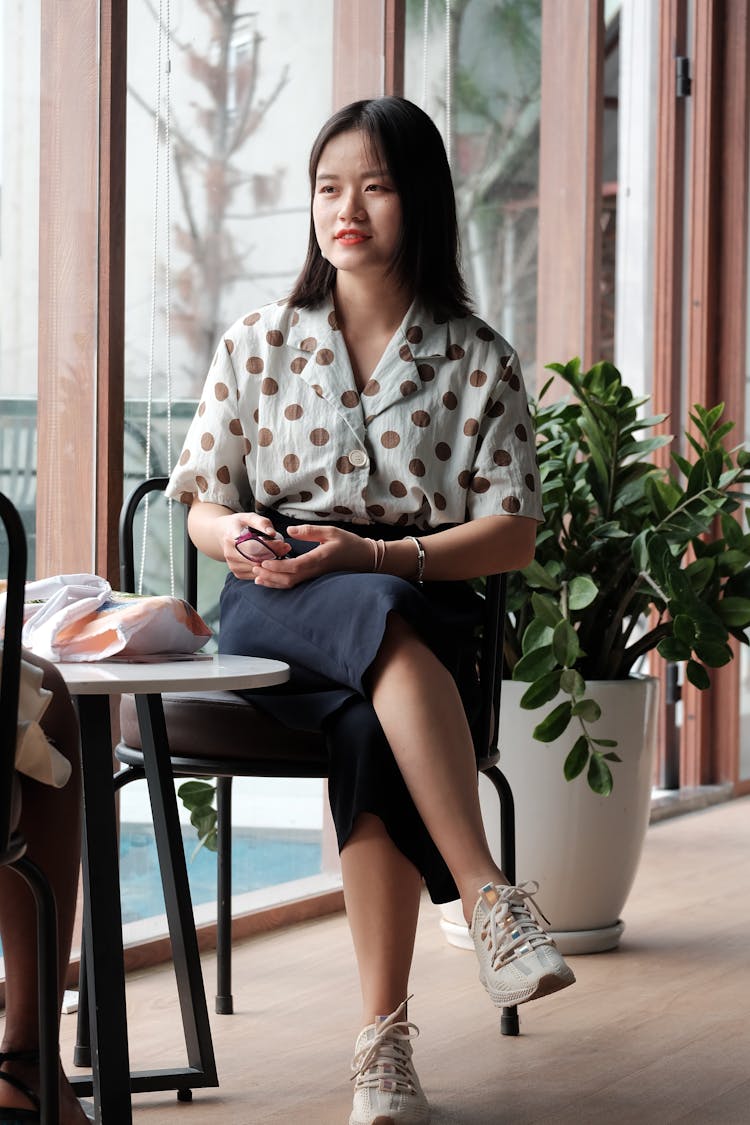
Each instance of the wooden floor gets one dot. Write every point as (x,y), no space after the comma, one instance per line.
(656,1032)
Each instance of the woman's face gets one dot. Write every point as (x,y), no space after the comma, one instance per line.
(356,209)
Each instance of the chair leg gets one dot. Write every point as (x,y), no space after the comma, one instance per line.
(509,1023)
(224,998)
(49,1036)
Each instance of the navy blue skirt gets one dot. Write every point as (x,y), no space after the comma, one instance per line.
(329,631)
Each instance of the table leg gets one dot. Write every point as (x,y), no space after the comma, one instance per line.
(185,953)
(103,918)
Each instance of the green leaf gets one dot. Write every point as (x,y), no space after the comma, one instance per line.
(734,611)
(535,664)
(604,742)
(536,635)
(713,654)
(554,724)
(672,649)
(546,609)
(572,682)
(581,592)
(536,575)
(697,675)
(599,775)
(684,629)
(565,644)
(542,690)
(588,710)
(576,760)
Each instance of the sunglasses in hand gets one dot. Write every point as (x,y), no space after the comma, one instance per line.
(256,546)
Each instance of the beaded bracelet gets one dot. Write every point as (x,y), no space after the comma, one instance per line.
(378,547)
(420,559)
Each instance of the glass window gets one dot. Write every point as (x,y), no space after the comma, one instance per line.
(19,258)
(223,106)
(479,78)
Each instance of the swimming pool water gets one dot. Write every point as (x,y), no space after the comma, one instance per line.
(259,859)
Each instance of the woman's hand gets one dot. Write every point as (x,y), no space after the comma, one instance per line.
(229,529)
(336,550)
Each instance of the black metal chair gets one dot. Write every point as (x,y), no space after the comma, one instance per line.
(12,844)
(202,726)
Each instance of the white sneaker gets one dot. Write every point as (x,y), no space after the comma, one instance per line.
(518,961)
(386,1087)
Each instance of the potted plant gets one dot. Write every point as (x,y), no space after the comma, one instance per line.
(632,557)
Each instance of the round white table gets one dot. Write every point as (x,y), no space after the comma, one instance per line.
(92,685)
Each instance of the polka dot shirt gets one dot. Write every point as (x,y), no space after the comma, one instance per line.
(440,434)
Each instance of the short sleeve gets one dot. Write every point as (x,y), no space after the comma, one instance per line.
(211,466)
(505,474)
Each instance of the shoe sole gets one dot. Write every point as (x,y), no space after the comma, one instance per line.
(545,986)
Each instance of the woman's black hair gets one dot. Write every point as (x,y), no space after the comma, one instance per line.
(426,261)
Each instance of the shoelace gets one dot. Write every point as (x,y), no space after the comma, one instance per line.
(510,924)
(386,1059)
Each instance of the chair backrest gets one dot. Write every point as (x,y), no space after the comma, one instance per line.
(486,725)
(10,676)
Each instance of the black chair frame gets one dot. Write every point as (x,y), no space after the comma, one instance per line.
(275,765)
(12,844)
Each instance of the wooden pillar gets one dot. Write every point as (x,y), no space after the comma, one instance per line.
(570,181)
(368,59)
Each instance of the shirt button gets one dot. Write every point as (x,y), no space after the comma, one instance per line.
(358,458)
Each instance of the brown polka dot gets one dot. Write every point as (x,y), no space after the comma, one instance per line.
(514,382)
(375,510)
(520,432)
(332,320)
(426,372)
(186,497)
(222,475)
(530,480)
(265,437)
(485,333)
(414,334)
(417,467)
(256,416)
(322,482)
(235,427)
(480,484)
(202,484)
(275,339)
(229,345)
(443,451)
(254,365)
(291,462)
(390,439)
(371,387)
(221,390)
(397,488)
(471,427)
(207,441)
(248,446)
(298,365)
(184,456)
(455,351)
(501,457)
(324,357)
(403,520)
(478,378)
(305,497)
(201,410)
(271,487)
(408,388)
(405,352)
(464,478)
(295,318)
(512,504)
(293,412)
(496,409)
(344,465)
(309,344)
(340,510)
(350,399)
(319,436)
(318,389)
(269,386)
(440,502)
(449,400)
(420,418)
(253,318)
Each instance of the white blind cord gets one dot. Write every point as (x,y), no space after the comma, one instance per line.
(425,50)
(448,83)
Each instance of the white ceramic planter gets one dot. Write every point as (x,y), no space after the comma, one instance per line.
(582,849)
